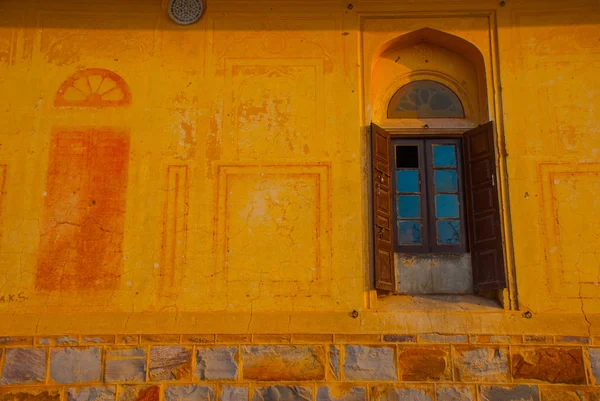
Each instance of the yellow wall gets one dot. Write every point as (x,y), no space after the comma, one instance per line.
(247,185)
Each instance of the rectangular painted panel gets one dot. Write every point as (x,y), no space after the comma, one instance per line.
(410,232)
(444,156)
(174,227)
(446,206)
(3,169)
(407,181)
(84,211)
(409,206)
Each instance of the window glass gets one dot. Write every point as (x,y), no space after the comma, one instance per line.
(425,99)
(444,156)
(407,181)
(446,206)
(410,232)
(409,207)
(448,232)
(445,181)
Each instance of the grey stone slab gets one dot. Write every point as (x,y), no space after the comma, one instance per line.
(510,393)
(75,365)
(353,394)
(454,394)
(189,393)
(594,355)
(233,393)
(483,364)
(24,365)
(369,363)
(216,363)
(402,394)
(434,273)
(95,393)
(282,393)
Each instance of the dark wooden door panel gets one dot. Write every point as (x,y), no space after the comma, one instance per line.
(385,274)
(483,209)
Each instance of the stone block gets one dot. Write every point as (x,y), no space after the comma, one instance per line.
(548,364)
(140,393)
(57,340)
(282,393)
(572,340)
(537,339)
(369,363)
(160,339)
(334,362)
(98,339)
(283,362)
(170,363)
(189,393)
(12,394)
(562,393)
(443,338)
(125,365)
(430,363)
(510,393)
(400,338)
(24,340)
(24,365)
(130,339)
(75,365)
(216,363)
(594,356)
(481,364)
(341,393)
(233,393)
(455,394)
(91,394)
(402,394)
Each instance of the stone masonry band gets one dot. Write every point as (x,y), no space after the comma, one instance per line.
(426,367)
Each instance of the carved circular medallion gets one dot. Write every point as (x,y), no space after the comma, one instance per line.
(185,12)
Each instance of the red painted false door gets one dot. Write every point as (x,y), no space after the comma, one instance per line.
(84,211)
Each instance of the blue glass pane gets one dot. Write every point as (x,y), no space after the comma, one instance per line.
(445,181)
(448,232)
(444,156)
(446,206)
(410,232)
(409,207)
(407,181)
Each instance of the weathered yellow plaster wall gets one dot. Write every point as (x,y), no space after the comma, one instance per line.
(246,198)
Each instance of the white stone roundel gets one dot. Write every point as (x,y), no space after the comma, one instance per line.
(185,12)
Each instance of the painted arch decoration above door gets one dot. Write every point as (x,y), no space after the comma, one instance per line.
(93,87)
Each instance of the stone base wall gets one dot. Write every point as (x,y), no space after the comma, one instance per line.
(321,367)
